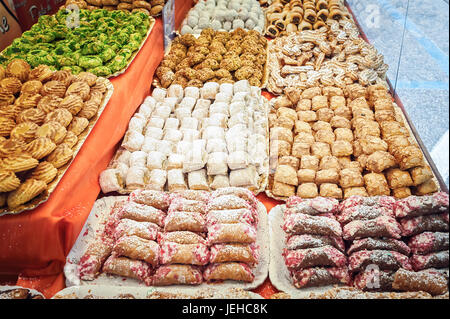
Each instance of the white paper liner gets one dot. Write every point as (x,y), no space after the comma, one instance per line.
(94,225)
(278,272)
(31,291)
(113,292)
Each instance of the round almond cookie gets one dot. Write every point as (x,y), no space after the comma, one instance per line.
(19,69)
(60,115)
(64,76)
(8,181)
(79,88)
(31,115)
(49,103)
(31,87)
(87,77)
(18,163)
(142,4)
(73,103)
(27,101)
(6,126)
(53,130)
(78,125)
(125,6)
(60,156)
(41,73)
(89,110)
(57,88)
(40,147)
(71,139)
(26,192)
(11,85)
(25,131)
(9,147)
(45,172)
(10,111)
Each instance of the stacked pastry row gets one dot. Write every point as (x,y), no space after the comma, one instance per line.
(42,114)
(299,15)
(333,56)
(150,7)
(191,138)
(214,56)
(338,143)
(182,238)
(224,15)
(361,242)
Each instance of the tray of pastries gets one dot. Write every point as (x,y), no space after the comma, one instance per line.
(214,56)
(115,292)
(372,244)
(191,138)
(45,117)
(149,7)
(54,42)
(335,142)
(224,15)
(331,56)
(283,17)
(190,239)
(18,292)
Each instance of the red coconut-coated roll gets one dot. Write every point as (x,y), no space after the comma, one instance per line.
(384,259)
(227,202)
(363,213)
(231,233)
(433,283)
(137,248)
(157,199)
(187,205)
(229,216)
(142,213)
(319,276)
(228,271)
(382,226)
(243,193)
(191,254)
(313,225)
(380,201)
(428,242)
(92,260)
(313,206)
(190,194)
(374,280)
(413,206)
(433,260)
(122,266)
(314,241)
(379,244)
(313,257)
(177,275)
(181,237)
(221,253)
(188,221)
(428,223)
(114,218)
(129,227)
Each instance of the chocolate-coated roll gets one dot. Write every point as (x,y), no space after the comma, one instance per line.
(318,276)
(433,283)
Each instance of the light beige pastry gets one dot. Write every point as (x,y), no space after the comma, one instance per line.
(40,147)
(8,181)
(53,130)
(18,163)
(27,191)
(60,156)
(45,172)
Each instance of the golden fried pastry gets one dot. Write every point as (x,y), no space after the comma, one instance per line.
(53,130)
(60,115)
(71,139)
(49,103)
(25,131)
(409,157)
(31,87)
(33,115)
(78,125)
(18,68)
(330,190)
(306,176)
(283,190)
(398,179)
(45,172)
(421,174)
(18,163)
(376,184)
(41,73)
(6,126)
(56,88)
(27,191)
(79,88)
(426,188)
(87,77)
(8,181)
(355,191)
(11,85)
(10,147)
(73,103)
(350,177)
(307,190)
(60,156)
(401,192)
(286,174)
(40,147)
(26,101)
(64,76)
(379,161)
